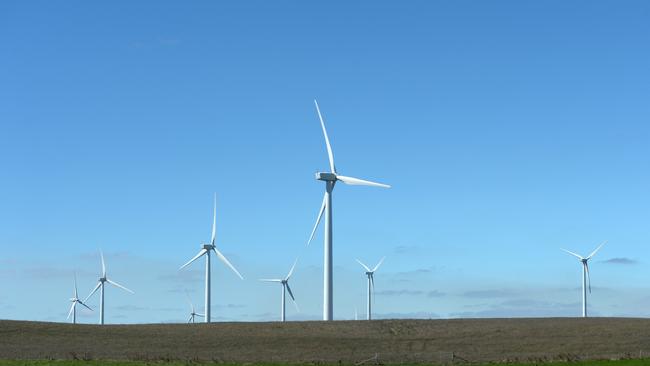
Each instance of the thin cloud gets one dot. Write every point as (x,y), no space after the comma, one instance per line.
(621,260)
(435,293)
(229,306)
(53,272)
(183,277)
(107,255)
(522,308)
(399,293)
(407,292)
(489,294)
(407,249)
(144,308)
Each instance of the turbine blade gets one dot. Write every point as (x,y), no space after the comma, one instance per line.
(76,293)
(93,291)
(290,292)
(118,285)
(588,276)
(201,252)
(327,140)
(364,266)
(360,182)
(573,254)
(71,310)
(190,320)
(320,216)
(201,315)
(226,262)
(214,221)
(189,301)
(378,265)
(293,299)
(597,249)
(269,280)
(101,254)
(84,305)
(291,270)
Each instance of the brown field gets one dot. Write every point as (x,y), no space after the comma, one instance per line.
(395,341)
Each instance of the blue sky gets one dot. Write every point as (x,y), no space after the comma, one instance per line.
(507,129)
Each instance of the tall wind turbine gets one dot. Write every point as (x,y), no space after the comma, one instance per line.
(206,250)
(585,275)
(330,178)
(100,285)
(193,314)
(75,300)
(285,287)
(370,273)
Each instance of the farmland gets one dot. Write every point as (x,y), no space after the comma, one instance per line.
(348,342)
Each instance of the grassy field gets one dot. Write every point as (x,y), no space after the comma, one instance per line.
(457,341)
(637,362)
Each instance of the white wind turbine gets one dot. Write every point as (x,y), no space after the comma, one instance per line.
(193,314)
(285,287)
(75,300)
(585,275)
(100,285)
(370,273)
(330,178)
(206,249)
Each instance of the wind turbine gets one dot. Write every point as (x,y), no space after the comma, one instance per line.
(193,314)
(285,288)
(585,275)
(100,285)
(75,300)
(206,249)
(371,283)
(330,178)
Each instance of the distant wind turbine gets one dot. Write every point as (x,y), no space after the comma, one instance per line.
(285,287)
(75,300)
(585,275)
(193,314)
(100,285)
(206,249)
(370,273)
(330,178)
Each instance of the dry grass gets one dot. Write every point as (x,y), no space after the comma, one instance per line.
(396,341)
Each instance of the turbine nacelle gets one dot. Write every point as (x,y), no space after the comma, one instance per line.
(326,177)
(207,247)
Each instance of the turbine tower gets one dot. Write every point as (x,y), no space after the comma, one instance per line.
(75,300)
(585,275)
(206,250)
(285,287)
(370,273)
(100,285)
(330,178)
(193,314)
